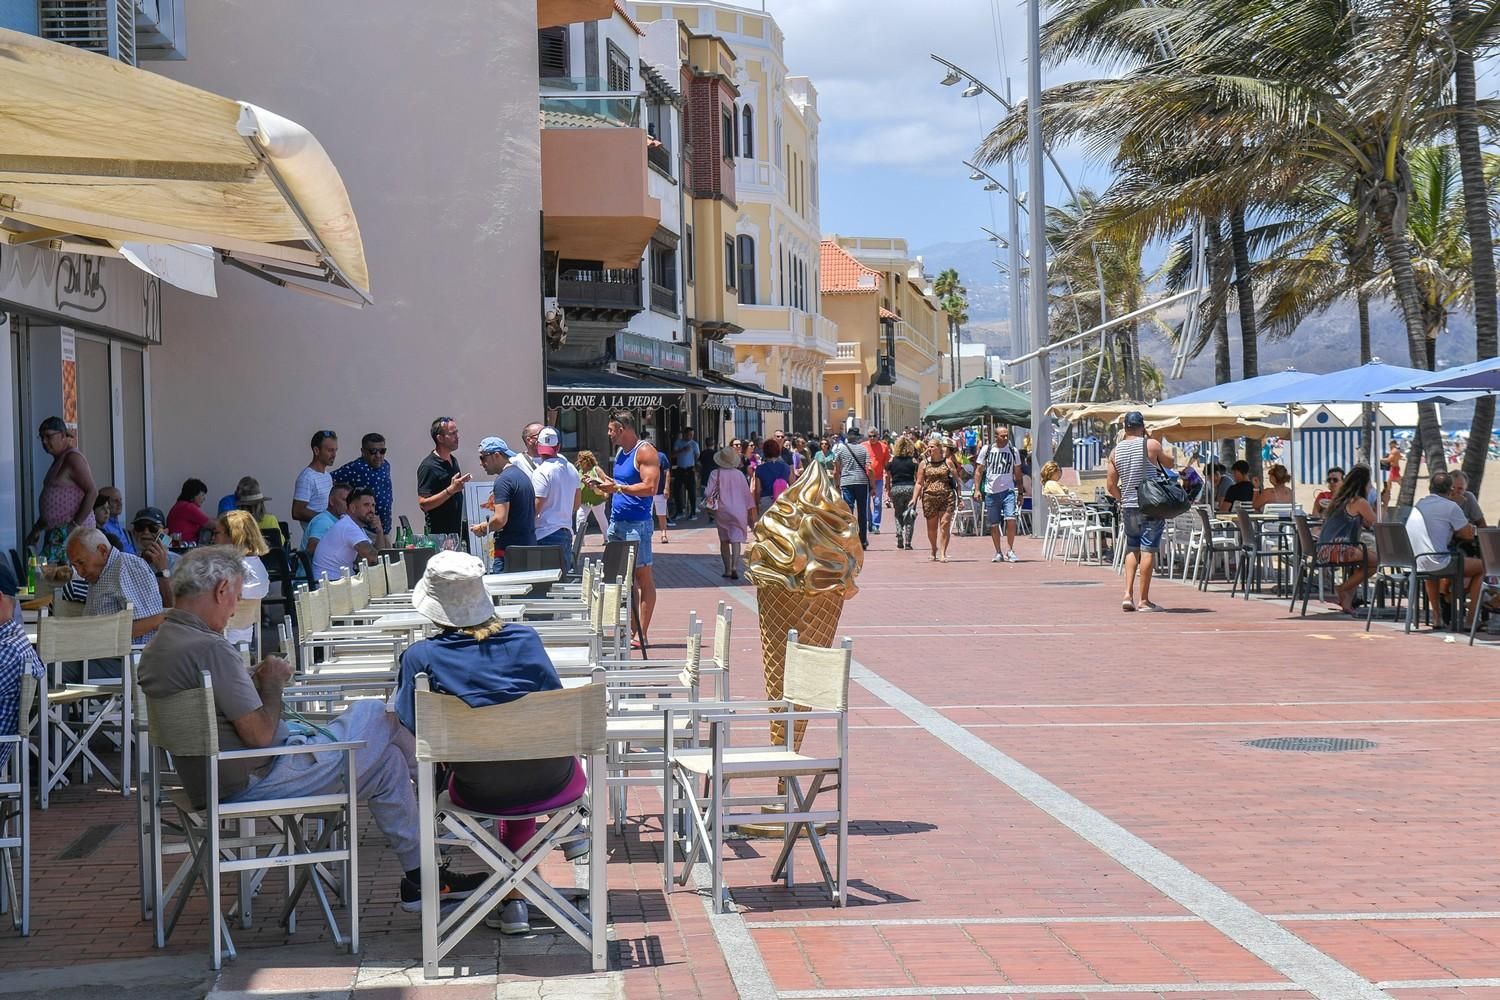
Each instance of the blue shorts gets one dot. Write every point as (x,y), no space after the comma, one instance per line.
(1000,506)
(1142,534)
(633,531)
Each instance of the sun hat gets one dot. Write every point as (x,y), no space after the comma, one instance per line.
(247,490)
(490,445)
(727,458)
(548,441)
(451,591)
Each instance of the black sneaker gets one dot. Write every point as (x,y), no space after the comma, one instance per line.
(452,886)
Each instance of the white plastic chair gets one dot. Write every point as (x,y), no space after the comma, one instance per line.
(15,826)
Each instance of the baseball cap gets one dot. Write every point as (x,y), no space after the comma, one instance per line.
(548,441)
(152,514)
(8,584)
(1135,419)
(490,445)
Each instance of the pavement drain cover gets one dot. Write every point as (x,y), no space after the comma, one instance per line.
(1311,744)
(1070,583)
(88,842)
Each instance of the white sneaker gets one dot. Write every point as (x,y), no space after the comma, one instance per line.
(512,918)
(998,558)
(1012,557)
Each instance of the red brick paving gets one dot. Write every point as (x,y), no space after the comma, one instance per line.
(1060,680)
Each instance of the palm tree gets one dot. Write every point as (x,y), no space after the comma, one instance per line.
(1072,276)
(950,293)
(1259,97)
(1481,240)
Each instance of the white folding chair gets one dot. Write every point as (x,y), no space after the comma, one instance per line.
(247,615)
(15,824)
(816,687)
(637,691)
(184,726)
(70,716)
(539,726)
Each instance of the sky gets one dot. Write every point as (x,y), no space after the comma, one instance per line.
(892,140)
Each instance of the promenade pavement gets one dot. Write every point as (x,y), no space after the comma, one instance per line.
(1051,798)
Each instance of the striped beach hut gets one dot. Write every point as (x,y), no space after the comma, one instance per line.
(1328,436)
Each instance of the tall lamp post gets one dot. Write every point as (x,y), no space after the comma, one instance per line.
(1041,378)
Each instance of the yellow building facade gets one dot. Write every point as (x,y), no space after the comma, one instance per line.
(767,259)
(887,363)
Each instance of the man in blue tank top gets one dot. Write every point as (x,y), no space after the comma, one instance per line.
(632,487)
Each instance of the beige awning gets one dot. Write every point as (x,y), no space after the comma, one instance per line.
(1202,418)
(95,154)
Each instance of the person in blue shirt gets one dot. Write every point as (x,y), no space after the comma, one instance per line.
(512,502)
(481,660)
(371,471)
(17,656)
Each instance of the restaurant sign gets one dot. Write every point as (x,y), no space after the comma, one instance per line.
(591,399)
(648,352)
(718,357)
(83,289)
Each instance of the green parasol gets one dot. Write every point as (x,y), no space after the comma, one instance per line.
(981,400)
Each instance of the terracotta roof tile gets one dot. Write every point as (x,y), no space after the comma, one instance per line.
(887,314)
(840,272)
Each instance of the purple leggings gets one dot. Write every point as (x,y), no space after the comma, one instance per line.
(515,833)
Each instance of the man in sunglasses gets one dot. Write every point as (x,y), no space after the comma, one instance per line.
(370,471)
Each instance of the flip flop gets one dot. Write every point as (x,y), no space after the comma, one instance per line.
(1127,605)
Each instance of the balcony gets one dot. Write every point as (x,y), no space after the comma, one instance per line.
(552,13)
(660,157)
(605,291)
(596,202)
(848,359)
(664,299)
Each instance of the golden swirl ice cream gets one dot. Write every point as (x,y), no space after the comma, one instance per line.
(803,564)
(808,541)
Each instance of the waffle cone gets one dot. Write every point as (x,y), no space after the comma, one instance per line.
(815,617)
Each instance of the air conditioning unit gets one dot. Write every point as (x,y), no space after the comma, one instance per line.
(103,26)
(554,323)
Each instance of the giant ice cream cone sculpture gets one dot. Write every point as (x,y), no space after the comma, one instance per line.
(803,562)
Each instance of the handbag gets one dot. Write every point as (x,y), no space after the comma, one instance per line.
(1161,496)
(711,500)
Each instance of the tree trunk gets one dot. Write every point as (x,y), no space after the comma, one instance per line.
(1429,439)
(1223,374)
(1365,453)
(1244,290)
(1482,246)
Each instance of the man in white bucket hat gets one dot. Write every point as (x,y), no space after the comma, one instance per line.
(483,661)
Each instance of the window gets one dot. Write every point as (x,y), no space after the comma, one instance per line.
(747,147)
(659,128)
(552,52)
(617,74)
(776,142)
(729,262)
(688,254)
(781,272)
(663,277)
(726,134)
(747,270)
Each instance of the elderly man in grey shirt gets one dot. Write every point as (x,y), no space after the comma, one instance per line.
(1466,500)
(206,586)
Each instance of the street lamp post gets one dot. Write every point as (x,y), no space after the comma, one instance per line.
(1041,379)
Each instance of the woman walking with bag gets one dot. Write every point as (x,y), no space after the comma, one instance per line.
(901,488)
(728,497)
(937,486)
